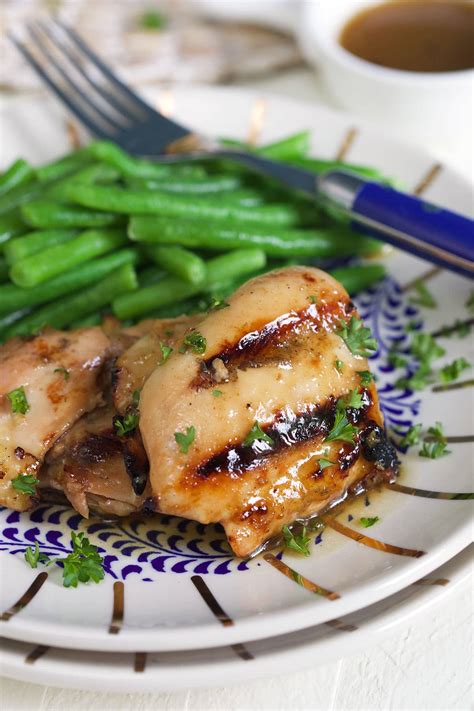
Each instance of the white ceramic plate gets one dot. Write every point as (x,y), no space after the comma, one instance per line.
(165,671)
(179,585)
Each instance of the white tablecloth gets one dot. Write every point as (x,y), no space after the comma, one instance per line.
(424,666)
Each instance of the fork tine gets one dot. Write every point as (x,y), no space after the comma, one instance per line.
(95,128)
(86,97)
(76,39)
(132,110)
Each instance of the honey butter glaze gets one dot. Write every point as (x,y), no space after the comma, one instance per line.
(414,35)
(272,355)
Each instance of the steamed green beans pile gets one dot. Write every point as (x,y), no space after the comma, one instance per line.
(99,231)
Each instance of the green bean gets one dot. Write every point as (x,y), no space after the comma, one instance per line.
(19,173)
(170,289)
(63,166)
(20,195)
(95,173)
(9,319)
(190,185)
(112,199)
(94,319)
(11,225)
(323,242)
(150,275)
(45,214)
(137,167)
(359,277)
(3,269)
(295,146)
(179,262)
(14,297)
(37,268)
(33,242)
(71,308)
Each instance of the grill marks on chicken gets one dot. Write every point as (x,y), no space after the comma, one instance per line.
(59,374)
(273,353)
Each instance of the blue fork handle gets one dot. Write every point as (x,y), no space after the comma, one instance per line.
(441,236)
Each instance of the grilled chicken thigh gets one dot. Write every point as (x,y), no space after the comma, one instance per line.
(50,381)
(260,410)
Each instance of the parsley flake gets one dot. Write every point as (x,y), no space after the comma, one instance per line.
(425,348)
(18,400)
(194,342)
(313,299)
(217,304)
(296,542)
(368,521)
(412,436)
(365,377)
(342,429)
(256,434)
(217,392)
(33,556)
(325,463)
(339,365)
(353,400)
(152,20)
(136,397)
(84,563)
(125,424)
(397,360)
(357,337)
(25,483)
(64,372)
(185,440)
(453,370)
(433,450)
(423,296)
(165,353)
(436,431)
(470,301)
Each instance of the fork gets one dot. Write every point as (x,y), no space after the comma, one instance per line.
(110,110)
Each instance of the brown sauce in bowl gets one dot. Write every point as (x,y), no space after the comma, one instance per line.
(414,35)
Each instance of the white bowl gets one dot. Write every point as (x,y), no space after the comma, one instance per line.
(419,103)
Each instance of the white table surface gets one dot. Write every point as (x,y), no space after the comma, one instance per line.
(426,665)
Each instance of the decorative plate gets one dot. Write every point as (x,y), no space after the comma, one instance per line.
(173,584)
(238,663)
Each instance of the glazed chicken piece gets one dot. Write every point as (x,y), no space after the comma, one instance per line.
(87,465)
(46,384)
(261,412)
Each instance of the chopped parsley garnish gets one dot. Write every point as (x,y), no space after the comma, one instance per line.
(425,348)
(342,429)
(152,20)
(436,449)
(33,556)
(194,342)
(339,365)
(412,436)
(217,304)
(357,337)
(433,450)
(354,400)
(365,377)
(397,360)
(325,463)
(453,370)
(185,440)
(165,353)
(368,521)
(83,564)
(136,397)
(423,296)
(296,542)
(256,434)
(313,299)
(64,372)
(417,381)
(25,483)
(217,392)
(459,328)
(125,424)
(18,400)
